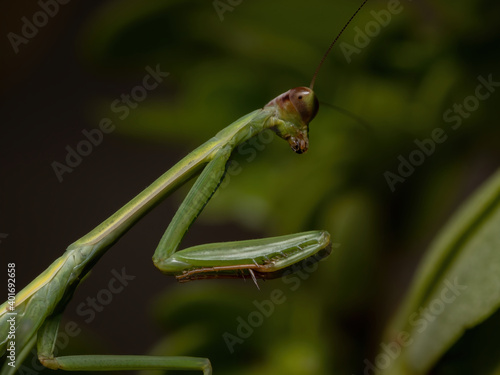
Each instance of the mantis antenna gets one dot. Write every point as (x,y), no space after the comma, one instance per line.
(332,44)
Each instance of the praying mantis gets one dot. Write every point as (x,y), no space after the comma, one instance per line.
(34,315)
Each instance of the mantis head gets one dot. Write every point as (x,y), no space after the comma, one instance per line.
(295,109)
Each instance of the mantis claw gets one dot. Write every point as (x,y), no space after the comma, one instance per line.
(253,278)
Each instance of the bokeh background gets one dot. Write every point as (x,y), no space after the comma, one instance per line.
(65,78)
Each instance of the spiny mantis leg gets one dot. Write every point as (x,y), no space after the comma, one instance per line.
(264,258)
(46,343)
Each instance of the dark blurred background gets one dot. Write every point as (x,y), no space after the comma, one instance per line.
(403,80)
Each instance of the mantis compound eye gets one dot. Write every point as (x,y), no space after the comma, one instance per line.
(306,103)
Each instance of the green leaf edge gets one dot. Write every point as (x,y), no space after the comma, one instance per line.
(440,256)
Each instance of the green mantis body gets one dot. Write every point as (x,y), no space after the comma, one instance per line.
(39,306)
(35,315)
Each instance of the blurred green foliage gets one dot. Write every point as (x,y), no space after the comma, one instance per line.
(424,61)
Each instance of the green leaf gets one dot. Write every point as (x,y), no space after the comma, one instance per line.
(456,287)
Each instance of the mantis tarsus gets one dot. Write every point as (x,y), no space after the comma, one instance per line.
(40,305)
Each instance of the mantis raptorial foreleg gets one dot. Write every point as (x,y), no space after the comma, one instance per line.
(201,192)
(40,305)
(224,260)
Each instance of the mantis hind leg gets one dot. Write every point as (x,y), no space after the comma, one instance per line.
(46,343)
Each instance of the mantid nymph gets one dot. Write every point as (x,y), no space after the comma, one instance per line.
(40,305)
